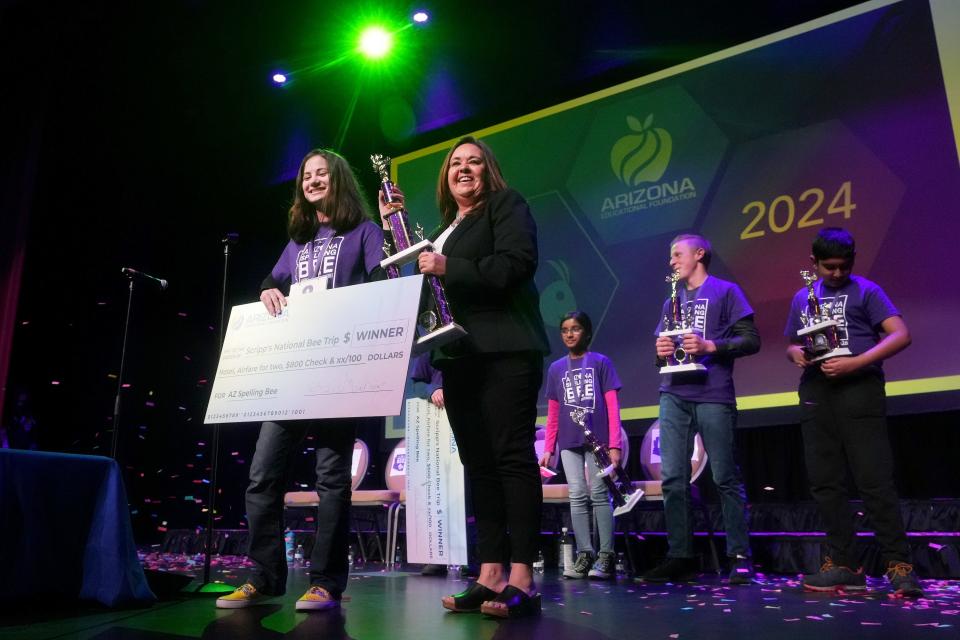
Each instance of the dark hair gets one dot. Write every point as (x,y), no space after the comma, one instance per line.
(697,242)
(584,321)
(834,242)
(344,203)
(492,179)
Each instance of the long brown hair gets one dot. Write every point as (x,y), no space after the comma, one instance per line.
(344,203)
(492,179)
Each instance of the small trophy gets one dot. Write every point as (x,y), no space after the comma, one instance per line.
(624,496)
(820,337)
(438,325)
(675,326)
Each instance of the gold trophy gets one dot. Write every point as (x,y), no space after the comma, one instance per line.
(820,338)
(438,325)
(675,326)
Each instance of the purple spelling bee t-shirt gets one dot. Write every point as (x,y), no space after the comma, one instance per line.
(346,259)
(860,306)
(581,383)
(713,310)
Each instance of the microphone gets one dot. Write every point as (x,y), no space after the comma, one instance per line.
(133,273)
(231,237)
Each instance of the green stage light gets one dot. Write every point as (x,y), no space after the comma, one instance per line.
(375,42)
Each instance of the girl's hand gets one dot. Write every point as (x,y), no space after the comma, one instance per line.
(387,208)
(545,459)
(273,300)
(615,456)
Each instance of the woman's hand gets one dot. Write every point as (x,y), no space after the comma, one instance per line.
(437,398)
(387,208)
(431,263)
(273,300)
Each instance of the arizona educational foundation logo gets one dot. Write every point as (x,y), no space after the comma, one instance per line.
(644,162)
(642,157)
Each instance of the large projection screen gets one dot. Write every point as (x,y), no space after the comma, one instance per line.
(843,121)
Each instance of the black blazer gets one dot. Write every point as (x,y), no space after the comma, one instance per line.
(491,262)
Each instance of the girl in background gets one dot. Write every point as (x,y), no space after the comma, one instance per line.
(584,381)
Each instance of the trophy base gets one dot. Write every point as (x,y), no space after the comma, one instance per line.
(409,254)
(839,352)
(631,502)
(438,337)
(682,368)
(818,327)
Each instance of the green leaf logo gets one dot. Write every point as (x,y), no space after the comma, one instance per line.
(643,155)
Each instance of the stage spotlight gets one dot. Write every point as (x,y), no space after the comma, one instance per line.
(375,42)
(279,78)
(420,17)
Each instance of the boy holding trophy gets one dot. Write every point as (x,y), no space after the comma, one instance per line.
(843,410)
(707,323)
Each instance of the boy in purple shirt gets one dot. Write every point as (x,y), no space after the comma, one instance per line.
(843,417)
(704,402)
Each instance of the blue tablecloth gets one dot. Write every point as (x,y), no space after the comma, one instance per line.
(65,529)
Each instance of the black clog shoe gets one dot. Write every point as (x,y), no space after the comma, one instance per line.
(470,599)
(512,603)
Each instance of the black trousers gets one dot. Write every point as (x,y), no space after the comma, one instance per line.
(491,401)
(277,446)
(844,423)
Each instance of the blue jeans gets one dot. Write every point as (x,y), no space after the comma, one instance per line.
(680,420)
(584,504)
(279,443)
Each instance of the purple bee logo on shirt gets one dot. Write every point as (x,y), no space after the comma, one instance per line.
(579,388)
(696,311)
(328,262)
(834,308)
(323,258)
(400,462)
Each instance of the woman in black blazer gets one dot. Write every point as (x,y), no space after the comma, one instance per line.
(486,256)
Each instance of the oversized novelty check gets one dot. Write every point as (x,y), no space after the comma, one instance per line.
(331,354)
(436,520)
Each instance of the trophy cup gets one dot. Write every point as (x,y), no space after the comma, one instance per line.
(675,326)
(625,497)
(437,323)
(820,337)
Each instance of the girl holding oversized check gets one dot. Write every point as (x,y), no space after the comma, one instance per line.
(333,243)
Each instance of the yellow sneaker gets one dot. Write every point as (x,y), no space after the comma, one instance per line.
(245,596)
(317,599)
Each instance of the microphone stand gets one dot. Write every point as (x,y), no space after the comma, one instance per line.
(115,440)
(228,240)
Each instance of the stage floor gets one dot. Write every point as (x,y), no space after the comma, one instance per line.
(400,605)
